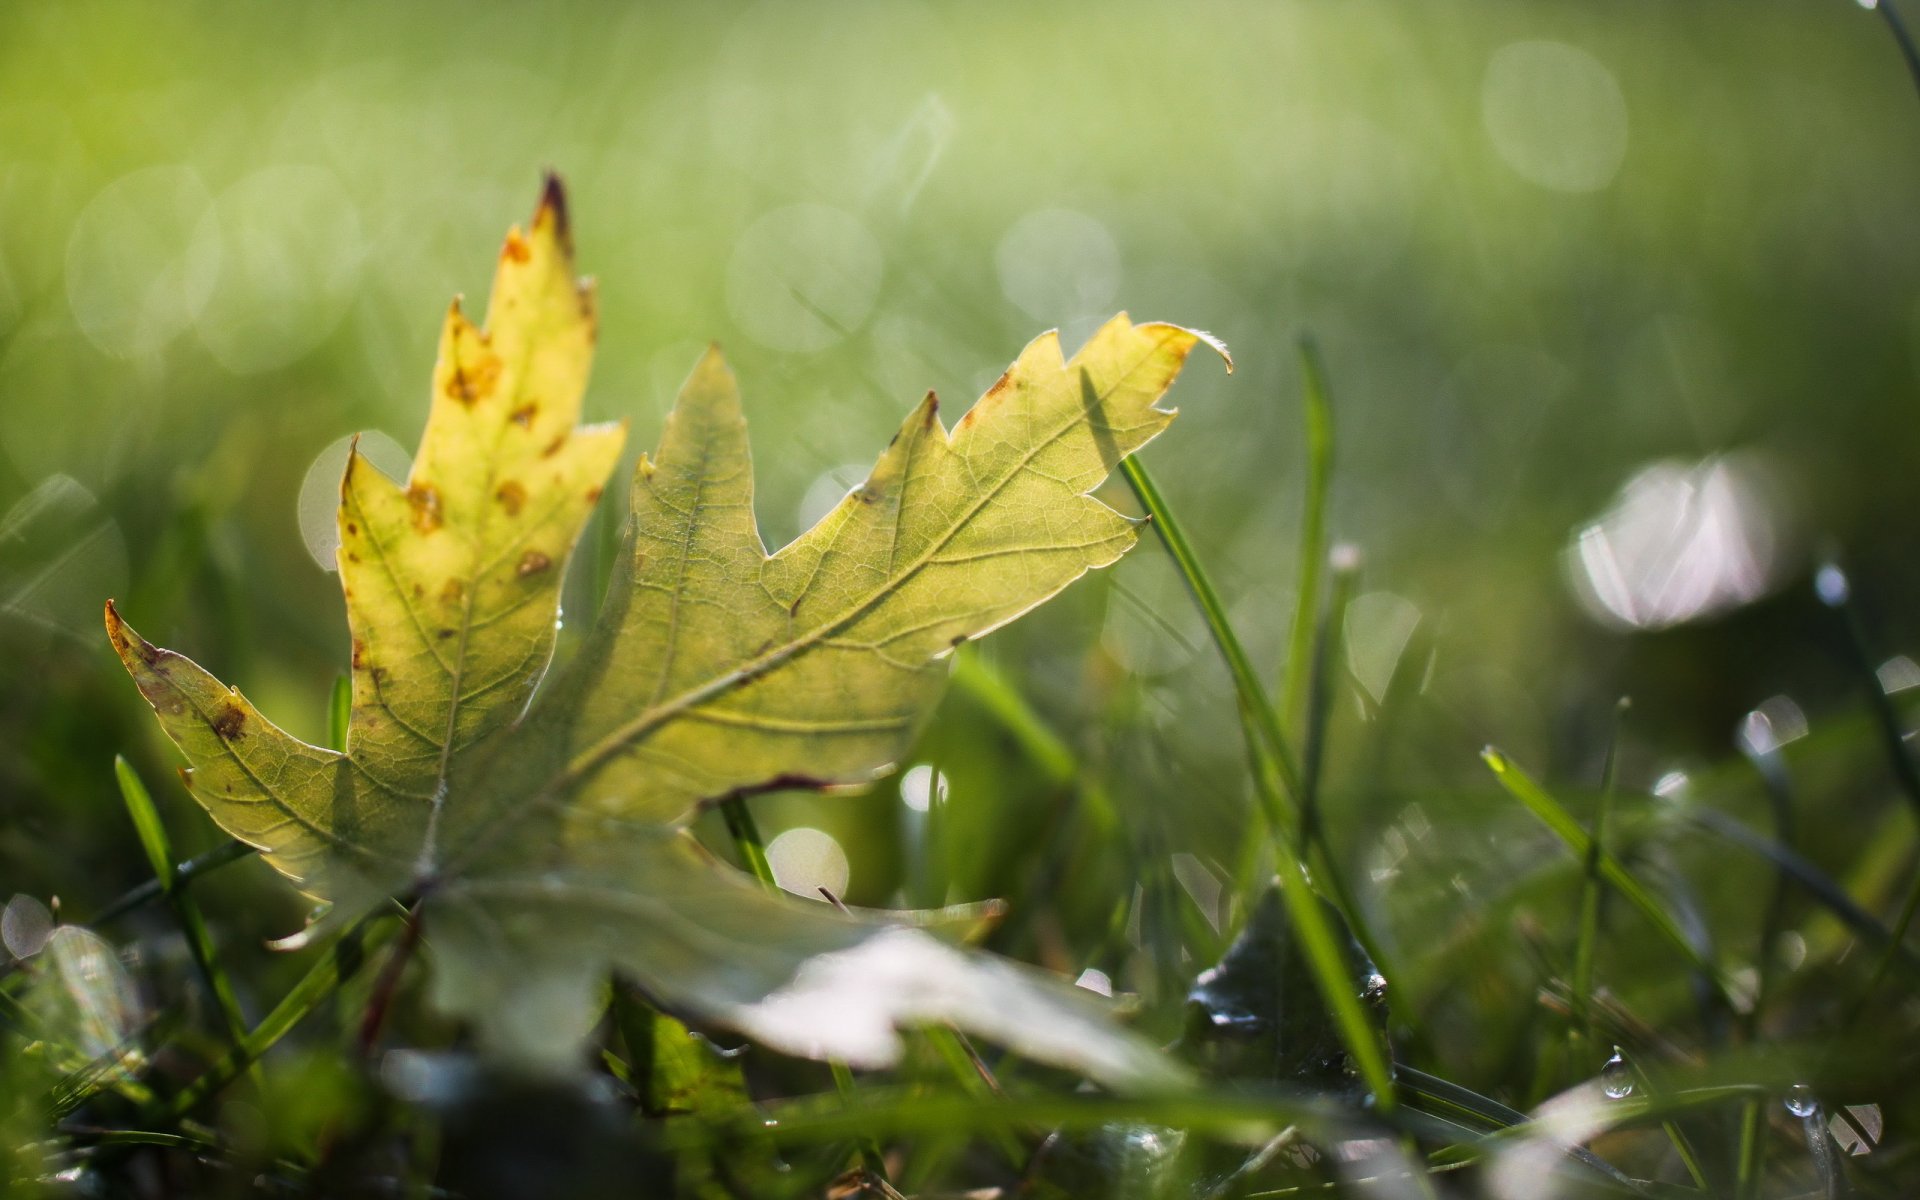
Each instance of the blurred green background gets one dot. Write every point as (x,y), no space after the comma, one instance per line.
(1546,248)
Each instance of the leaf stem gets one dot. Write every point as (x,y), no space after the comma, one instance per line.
(387,985)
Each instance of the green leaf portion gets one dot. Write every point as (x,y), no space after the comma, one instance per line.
(301,806)
(720,668)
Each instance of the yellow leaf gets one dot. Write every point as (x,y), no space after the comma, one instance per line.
(545,836)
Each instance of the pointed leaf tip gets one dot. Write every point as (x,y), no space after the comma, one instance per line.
(553,207)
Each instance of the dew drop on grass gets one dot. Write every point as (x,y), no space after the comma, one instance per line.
(1801,1101)
(1616,1077)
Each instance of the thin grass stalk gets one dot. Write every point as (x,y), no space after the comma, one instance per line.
(339,713)
(1522,788)
(1273,771)
(1750,1157)
(1902,37)
(1317,421)
(1590,894)
(747,840)
(153,839)
(1246,683)
(320,981)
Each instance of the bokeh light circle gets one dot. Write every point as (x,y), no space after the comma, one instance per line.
(1555,114)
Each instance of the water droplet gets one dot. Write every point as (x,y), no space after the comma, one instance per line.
(1801,1101)
(1616,1077)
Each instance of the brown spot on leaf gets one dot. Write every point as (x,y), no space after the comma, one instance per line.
(379,675)
(359,654)
(425,499)
(511,496)
(451,591)
(418,591)
(516,247)
(352,528)
(532,563)
(444,634)
(472,381)
(231,724)
(524,415)
(593,495)
(553,447)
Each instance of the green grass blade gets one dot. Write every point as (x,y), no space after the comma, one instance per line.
(1522,788)
(1317,411)
(746,838)
(1589,926)
(146,893)
(1815,882)
(1751,1155)
(1836,593)
(320,981)
(339,713)
(1277,779)
(1330,973)
(153,837)
(1253,697)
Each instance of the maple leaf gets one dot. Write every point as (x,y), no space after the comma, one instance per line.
(542,826)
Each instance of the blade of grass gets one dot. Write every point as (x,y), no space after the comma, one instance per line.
(339,713)
(1836,592)
(1901,37)
(745,832)
(1362,1042)
(1826,1164)
(1764,753)
(986,687)
(1589,928)
(320,981)
(1276,779)
(153,838)
(1522,788)
(1817,883)
(747,840)
(193,868)
(1751,1153)
(1326,647)
(1246,683)
(1682,1146)
(1317,415)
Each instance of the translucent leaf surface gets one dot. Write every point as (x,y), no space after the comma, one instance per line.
(544,832)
